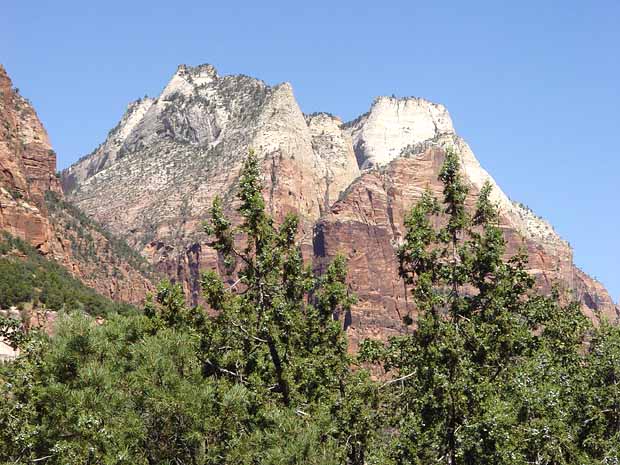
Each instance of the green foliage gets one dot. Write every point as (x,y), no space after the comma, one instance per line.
(266,380)
(490,372)
(26,276)
(275,332)
(281,329)
(598,403)
(12,333)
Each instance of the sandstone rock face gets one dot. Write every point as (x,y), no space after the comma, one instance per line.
(392,123)
(368,222)
(154,178)
(593,295)
(27,183)
(334,146)
(27,169)
(108,152)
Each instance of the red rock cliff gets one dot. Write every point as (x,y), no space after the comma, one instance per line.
(368,222)
(27,178)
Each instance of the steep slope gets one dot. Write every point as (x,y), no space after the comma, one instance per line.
(32,207)
(34,284)
(27,169)
(367,222)
(335,148)
(108,152)
(99,259)
(155,177)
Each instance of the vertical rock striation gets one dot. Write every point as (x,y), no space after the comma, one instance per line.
(368,221)
(27,169)
(334,147)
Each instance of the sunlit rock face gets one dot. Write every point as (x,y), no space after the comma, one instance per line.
(333,145)
(154,178)
(367,223)
(27,168)
(27,177)
(391,124)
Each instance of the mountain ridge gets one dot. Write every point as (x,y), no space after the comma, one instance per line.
(311,164)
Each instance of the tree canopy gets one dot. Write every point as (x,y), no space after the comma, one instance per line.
(490,372)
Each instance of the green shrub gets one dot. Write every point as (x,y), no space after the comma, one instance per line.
(26,276)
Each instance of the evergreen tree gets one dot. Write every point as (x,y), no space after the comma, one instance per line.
(491,373)
(478,320)
(275,332)
(267,380)
(598,406)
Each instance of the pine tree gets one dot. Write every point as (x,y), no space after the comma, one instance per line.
(598,400)
(267,380)
(278,317)
(491,372)
(478,319)
(275,332)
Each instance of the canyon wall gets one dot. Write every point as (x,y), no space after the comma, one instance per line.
(33,208)
(153,179)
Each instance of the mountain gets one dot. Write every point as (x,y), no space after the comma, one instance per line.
(404,141)
(154,177)
(33,208)
(27,169)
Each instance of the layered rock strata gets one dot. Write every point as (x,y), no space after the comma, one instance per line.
(155,177)
(368,223)
(153,180)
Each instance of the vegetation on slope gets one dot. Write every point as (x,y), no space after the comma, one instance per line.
(491,372)
(27,277)
(79,229)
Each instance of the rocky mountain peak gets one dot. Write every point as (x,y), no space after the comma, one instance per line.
(201,127)
(27,168)
(199,71)
(196,107)
(396,127)
(153,180)
(187,78)
(32,206)
(393,123)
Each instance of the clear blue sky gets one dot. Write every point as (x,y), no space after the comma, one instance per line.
(533,86)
